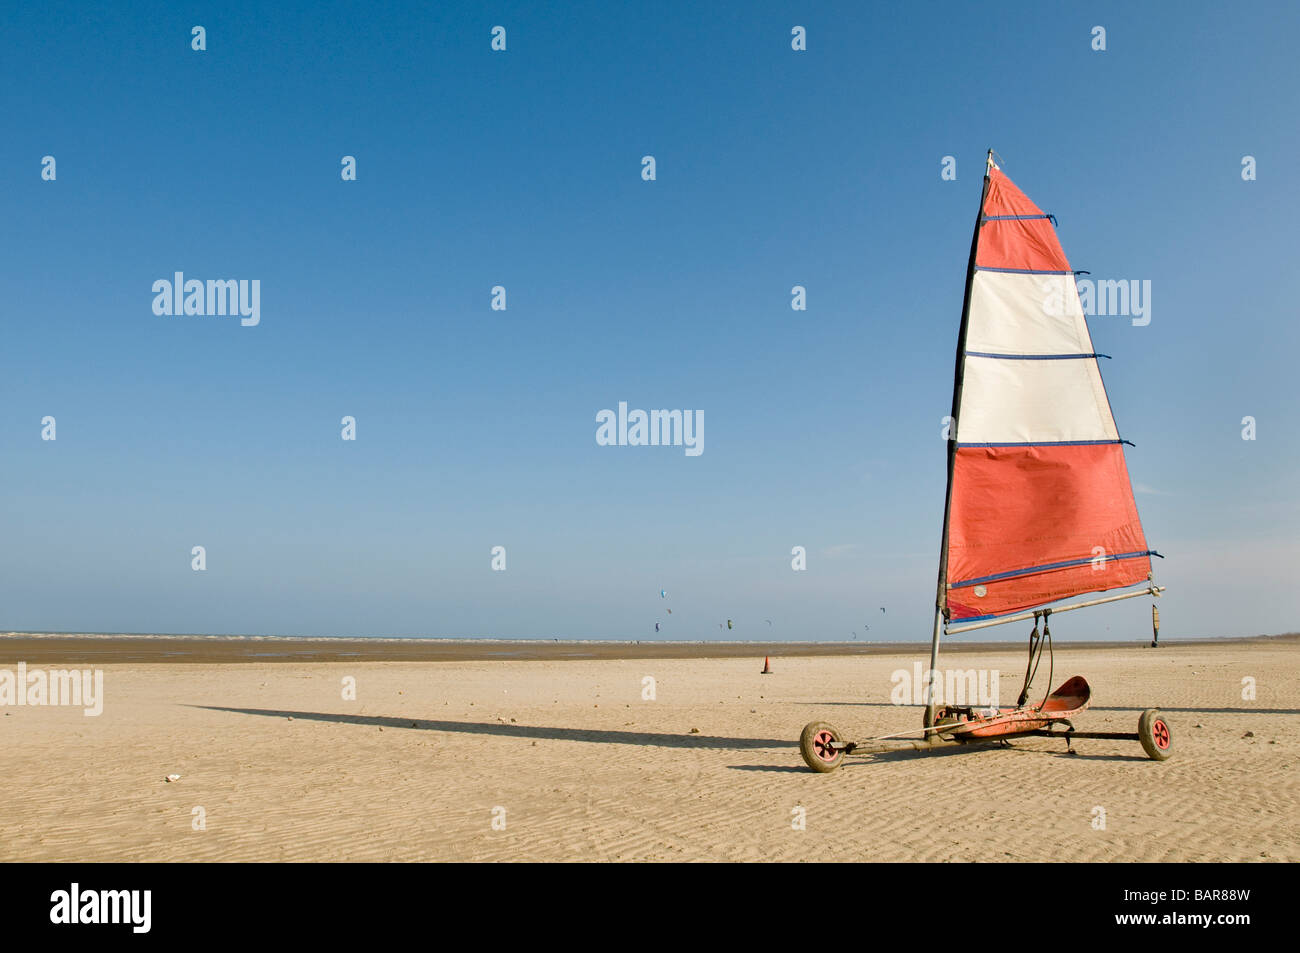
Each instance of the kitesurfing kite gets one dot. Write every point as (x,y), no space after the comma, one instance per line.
(1039,505)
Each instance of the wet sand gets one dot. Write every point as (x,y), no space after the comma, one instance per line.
(102,649)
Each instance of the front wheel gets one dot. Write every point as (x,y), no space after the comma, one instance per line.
(1153,731)
(821,747)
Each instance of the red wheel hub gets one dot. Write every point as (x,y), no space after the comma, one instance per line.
(822,742)
(1161,733)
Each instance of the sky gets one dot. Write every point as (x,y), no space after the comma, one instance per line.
(522,168)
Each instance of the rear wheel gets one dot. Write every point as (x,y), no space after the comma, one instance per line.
(1153,731)
(820,745)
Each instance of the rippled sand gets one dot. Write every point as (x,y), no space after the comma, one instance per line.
(579,765)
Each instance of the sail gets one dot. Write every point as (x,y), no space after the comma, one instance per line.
(1040,505)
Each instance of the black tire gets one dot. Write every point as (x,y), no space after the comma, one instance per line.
(1155,734)
(812,747)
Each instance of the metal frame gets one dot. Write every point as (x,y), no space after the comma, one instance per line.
(1149,590)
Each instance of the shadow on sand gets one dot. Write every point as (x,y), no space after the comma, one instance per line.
(590,735)
(905,752)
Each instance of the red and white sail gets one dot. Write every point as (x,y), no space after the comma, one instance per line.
(1040,503)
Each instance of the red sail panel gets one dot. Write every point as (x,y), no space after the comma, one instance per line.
(1005,198)
(1016,234)
(1041,504)
(1031,525)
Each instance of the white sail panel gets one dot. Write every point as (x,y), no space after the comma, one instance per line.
(1026,314)
(1007,400)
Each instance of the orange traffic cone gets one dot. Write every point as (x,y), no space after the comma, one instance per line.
(767,666)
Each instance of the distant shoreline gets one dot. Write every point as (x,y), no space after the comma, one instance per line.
(53,648)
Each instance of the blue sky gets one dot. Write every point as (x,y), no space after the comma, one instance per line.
(476,427)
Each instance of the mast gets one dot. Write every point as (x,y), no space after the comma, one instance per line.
(941,594)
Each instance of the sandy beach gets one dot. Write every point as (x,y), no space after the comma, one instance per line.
(573,762)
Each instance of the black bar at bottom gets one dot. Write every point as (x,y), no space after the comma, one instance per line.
(331,903)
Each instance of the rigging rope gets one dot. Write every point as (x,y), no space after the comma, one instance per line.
(1036,656)
(1051,658)
(1031,666)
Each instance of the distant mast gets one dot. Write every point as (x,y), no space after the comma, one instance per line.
(1039,504)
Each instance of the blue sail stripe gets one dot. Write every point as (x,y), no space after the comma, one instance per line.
(1023,271)
(1011,574)
(1032,357)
